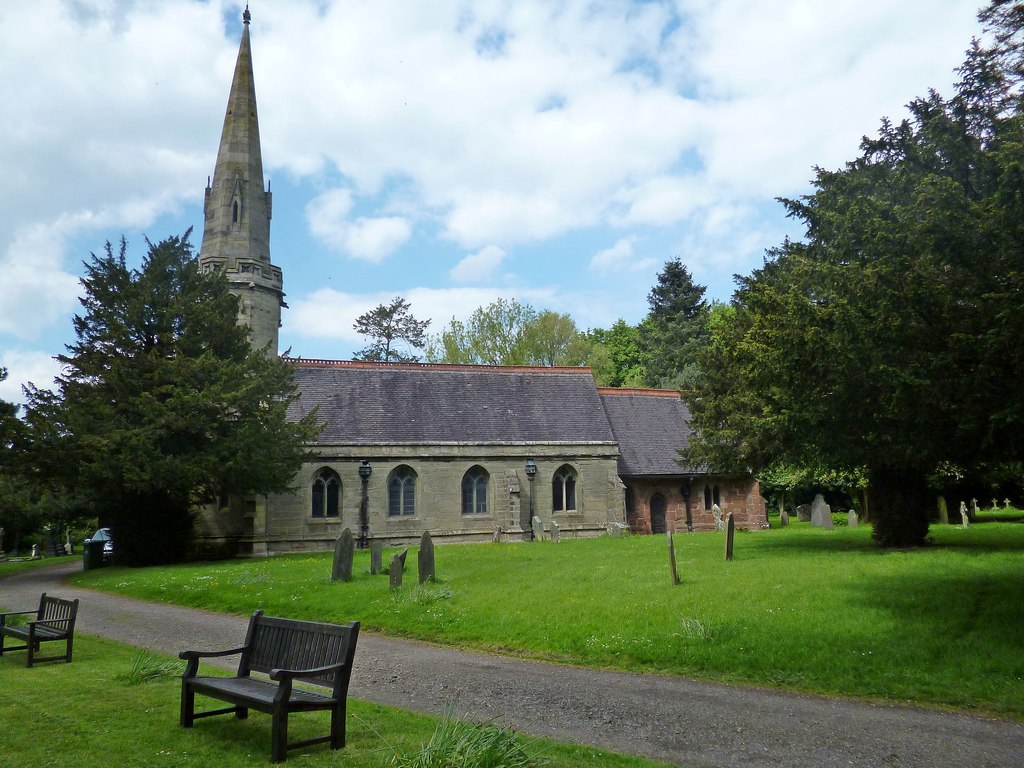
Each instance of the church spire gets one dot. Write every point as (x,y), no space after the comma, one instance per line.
(236,231)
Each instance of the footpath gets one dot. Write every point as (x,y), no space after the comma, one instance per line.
(679,721)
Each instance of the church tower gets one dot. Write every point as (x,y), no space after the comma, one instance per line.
(236,230)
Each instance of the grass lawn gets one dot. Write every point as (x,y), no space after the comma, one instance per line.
(11,567)
(799,608)
(93,714)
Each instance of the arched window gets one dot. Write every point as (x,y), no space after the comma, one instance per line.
(326,494)
(474,492)
(707,497)
(563,490)
(402,492)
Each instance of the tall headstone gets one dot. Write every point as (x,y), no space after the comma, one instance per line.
(821,513)
(344,550)
(943,511)
(730,535)
(425,558)
(673,572)
(783,518)
(395,573)
(376,556)
(556,532)
(538,529)
(851,519)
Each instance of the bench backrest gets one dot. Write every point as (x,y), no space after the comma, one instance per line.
(274,643)
(57,612)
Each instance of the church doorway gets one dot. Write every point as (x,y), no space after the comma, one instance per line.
(658,513)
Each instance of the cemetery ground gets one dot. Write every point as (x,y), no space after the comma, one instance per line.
(798,608)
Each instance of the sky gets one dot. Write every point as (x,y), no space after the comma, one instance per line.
(451,152)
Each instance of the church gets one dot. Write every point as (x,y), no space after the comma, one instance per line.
(469,453)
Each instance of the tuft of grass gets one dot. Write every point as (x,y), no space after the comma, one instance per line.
(424,594)
(465,744)
(146,667)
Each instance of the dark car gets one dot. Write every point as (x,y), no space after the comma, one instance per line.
(103,534)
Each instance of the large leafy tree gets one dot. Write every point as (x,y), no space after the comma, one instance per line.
(386,325)
(616,357)
(162,405)
(887,338)
(675,328)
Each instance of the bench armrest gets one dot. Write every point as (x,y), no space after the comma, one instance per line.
(15,613)
(281,674)
(193,657)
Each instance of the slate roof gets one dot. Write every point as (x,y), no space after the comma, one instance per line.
(651,426)
(375,403)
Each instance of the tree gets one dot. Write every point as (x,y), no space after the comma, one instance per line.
(675,327)
(162,404)
(616,357)
(889,337)
(387,324)
(553,339)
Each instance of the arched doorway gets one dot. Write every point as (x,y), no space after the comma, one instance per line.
(658,513)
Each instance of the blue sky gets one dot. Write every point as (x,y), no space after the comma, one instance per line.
(449,152)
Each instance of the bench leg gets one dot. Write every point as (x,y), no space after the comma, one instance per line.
(188,706)
(279,736)
(338,727)
(241,713)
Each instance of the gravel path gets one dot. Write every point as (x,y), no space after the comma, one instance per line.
(679,721)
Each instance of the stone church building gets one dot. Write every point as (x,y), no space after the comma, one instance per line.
(466,452)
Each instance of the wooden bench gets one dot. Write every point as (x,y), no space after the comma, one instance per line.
(286,650)
(55,621)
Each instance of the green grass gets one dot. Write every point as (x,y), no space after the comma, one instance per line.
(94,714)
(799,608)
(11,567)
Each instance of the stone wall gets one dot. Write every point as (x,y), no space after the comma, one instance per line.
(288,526)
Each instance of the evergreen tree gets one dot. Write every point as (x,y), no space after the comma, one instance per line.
(162,405)
(675,328)
(387,324)
(889,338)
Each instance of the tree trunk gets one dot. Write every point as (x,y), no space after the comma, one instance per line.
(900,507)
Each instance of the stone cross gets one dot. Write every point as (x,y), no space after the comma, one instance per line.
(851,519)
(963,514)
(538,529)
(425,558)
(673,573)
(376,556)
(717,512)
(556,532)
(344,549)
(995,504)
(974,507)
(1006,505)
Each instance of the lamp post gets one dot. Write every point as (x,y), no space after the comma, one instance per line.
(531,473)
(685,490)
(364,506)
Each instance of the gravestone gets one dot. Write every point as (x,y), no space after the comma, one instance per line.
(717,512)
(344,549)
(538,529)
(974,509)
(395,572)
(943,512)
(851,519)
(995,504)
(425,558)
(497,534)
(803,513)
(783,517)
(730,534)
(821,513)
(615,529)
(963,515)
(672,561)
(376,556)
(1006,505)
(35,551)
(556,532)
(69,548)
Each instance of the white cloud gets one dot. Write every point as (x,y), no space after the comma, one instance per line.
(615,257)
(369,239)
(479,267)
(24,367)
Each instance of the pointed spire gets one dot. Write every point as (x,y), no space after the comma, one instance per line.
(236,232)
